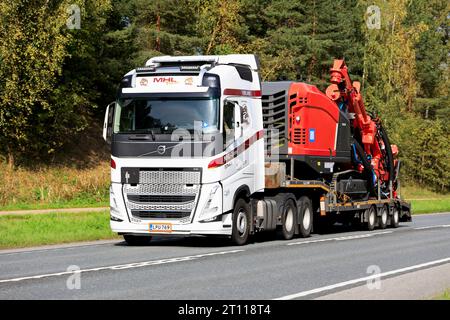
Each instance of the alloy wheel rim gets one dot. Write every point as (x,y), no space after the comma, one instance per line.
(289,223)
(306,219)
(242,222)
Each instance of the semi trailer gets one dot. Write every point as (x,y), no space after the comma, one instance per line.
(200,146)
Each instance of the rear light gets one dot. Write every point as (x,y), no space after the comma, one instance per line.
(113,164)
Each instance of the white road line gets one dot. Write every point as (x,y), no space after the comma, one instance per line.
(123,266)
(433,227)
(359,236)
(364,279)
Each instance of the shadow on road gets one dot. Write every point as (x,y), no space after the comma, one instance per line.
(221,242)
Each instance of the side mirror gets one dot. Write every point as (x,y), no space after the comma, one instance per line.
(108,122)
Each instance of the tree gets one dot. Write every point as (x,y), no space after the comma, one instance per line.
(432,57)
(303,38)
(45,94)
(32,51)
(221,26)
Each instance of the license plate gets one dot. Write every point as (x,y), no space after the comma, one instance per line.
(160,227)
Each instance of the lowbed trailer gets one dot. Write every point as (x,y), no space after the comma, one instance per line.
(199,146)
(331,206)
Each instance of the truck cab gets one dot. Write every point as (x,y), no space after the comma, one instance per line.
(186,136)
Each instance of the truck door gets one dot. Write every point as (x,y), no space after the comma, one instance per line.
(236,128)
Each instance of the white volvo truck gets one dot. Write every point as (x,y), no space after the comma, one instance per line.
(188,156)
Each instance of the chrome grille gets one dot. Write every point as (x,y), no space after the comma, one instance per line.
(161,189)
(163,194)
(169,177)
(162,207)
(159,215)
(160,198)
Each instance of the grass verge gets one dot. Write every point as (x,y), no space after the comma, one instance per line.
(54,187)
(18,231)
(75,203)
(444,296)
(429,206)
(425,201)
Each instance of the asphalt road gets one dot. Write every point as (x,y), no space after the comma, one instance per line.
(205,268)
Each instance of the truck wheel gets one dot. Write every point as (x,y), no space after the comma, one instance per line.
(305,217)
(383,220)
(132,240)
(241,222)
(395,218)
(288,219)
(371,218)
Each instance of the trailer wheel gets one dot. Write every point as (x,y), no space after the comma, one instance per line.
(383,220)
(288,219)
(241,222)
(305,217)
(133,240)
(395,218)
(371,218)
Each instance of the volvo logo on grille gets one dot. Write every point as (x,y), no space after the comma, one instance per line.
(161,149)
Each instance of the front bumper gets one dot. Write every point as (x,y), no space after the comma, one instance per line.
(221,227)
(205,219)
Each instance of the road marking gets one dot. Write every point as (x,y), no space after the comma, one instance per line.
(364,279)
(433,227)
(359,236)
(124,266)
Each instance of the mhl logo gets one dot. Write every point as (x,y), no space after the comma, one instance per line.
(164,80)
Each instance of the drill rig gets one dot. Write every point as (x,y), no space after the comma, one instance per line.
(331,137)
(372,152)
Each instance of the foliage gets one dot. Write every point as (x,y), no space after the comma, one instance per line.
(55,82)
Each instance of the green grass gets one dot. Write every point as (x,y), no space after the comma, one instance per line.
(428,206)
(88,202)
(411,191)
(444,296)
(42,229)
(425,201)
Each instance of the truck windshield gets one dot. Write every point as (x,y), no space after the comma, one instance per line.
(163,116)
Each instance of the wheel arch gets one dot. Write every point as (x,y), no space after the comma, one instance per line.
(241,192)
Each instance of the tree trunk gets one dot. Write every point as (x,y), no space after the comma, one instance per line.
(10,159)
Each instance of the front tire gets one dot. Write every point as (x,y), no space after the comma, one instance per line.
(133,240)
(241,222)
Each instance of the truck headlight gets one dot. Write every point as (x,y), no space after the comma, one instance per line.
(213,206)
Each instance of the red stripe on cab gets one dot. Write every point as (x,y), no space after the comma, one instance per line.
(244,93)
(237,151)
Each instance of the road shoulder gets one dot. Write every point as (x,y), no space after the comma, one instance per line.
(422,284)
